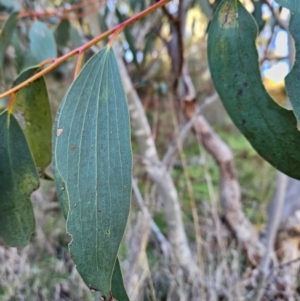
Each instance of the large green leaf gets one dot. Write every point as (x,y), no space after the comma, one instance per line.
(117,284)
(233,62)
(92,156)
(292,5)
(18,178)
(32,109)
(7,34)
(42,42)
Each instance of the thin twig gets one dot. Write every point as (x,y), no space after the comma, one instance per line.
(164,244)
(279,21)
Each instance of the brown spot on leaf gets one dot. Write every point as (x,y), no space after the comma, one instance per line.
(245,84)
(228,15)
(239,92)
(73,148)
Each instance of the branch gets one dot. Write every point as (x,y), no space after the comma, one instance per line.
(164,243)
(279,21)
(57,61)
(59,12)
(173,148)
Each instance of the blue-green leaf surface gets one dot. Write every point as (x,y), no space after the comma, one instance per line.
(233,62)
(93,162)
(42,41)
(18,178)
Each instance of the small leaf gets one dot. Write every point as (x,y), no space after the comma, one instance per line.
(118,288)
(258,15)
(62,33)
(42,42)
(18,179)
(92,156)
(75,38)
(7,34)
(233,62)
(205,7)
(292,5)
(32,109)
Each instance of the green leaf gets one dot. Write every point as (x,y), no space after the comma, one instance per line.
(18,179)
(117,284)
(42,42)
(118,288)
(205,7)
(75,38)
(31,108)
(233,62)
(292,5)
(257,14)
(62,33)
(7,34)
(92,155)
(292,79)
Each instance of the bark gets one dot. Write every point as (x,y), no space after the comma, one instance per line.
(230,193)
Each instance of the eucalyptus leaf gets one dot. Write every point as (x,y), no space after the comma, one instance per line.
(18,179)
(258,15)
(42,41)
(75,38)
(93,160)
(31,108)
(118,288)
(62,33)
(7,34)
(233,62)
(117,284)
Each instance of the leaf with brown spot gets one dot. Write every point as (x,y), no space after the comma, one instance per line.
(31,108)
(94,180)
(18,179)
(270,129)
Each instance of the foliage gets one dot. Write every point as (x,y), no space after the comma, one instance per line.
(91,143)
